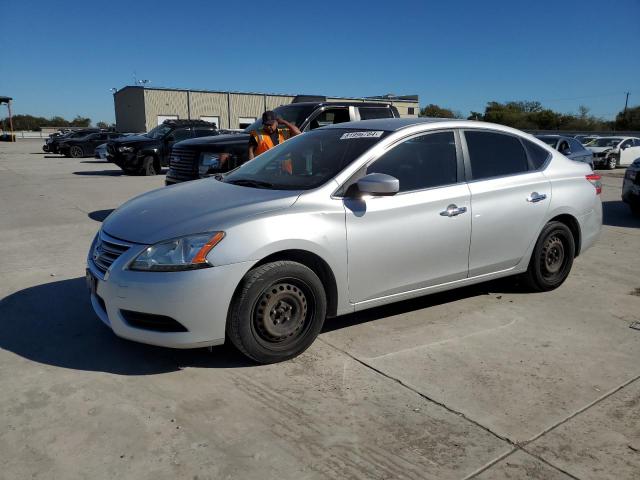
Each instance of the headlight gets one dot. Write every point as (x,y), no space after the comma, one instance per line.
(185,253)
(124,149)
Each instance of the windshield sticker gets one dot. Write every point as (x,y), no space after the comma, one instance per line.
(369,134)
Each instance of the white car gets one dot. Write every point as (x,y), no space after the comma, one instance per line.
(612,152)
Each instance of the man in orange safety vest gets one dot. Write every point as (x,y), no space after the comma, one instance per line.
(269,135)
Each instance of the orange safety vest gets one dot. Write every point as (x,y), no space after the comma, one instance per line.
(264,141)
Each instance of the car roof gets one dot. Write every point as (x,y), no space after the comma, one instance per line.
(348,103)
(394,124)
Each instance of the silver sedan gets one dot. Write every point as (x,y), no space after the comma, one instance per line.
(338,220)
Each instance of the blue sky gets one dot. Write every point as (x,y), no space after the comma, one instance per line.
(61,58)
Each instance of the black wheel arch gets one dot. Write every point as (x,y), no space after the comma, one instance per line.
(320,267)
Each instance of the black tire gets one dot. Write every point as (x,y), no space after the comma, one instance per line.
(149,166)
(277,311)
(76,151)
(612,162)
(551,259)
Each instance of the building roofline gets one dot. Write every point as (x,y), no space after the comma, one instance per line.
(402,98)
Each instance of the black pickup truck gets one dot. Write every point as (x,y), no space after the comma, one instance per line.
(206,156)
(146,154)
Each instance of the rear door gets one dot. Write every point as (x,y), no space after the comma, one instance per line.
(409,241)
(509,198)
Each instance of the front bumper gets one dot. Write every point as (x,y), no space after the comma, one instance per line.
(198,299)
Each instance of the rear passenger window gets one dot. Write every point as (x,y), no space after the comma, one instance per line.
(495,154)
(367,113)
(537,154)
(421,162)
(203,132)
(575,145)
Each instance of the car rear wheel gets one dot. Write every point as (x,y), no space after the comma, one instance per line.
(149,166)
(612,162)
(552,258)
(277,312)
(76,151)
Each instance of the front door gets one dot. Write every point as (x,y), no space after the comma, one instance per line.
(629,151)
(415,238)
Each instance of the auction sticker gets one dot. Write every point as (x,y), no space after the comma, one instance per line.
(367,134)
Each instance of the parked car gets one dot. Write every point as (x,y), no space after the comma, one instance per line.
(569,147)
(52,143)
(371,213)
(584,139)
(146,154)
(101,152)
(85,146)
(612,152)
(631,187)
(203,157)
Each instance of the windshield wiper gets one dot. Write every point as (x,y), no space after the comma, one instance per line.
(246,182)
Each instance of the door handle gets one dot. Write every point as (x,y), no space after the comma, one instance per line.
(536,197)
(453,210)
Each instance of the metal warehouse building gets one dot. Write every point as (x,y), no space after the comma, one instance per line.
(140,108)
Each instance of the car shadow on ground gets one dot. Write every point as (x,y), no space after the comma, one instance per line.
(94,161)
(54,324)
(616,213)
(100,215)
(503,285)
(101,173)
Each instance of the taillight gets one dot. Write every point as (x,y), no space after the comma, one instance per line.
(596,181)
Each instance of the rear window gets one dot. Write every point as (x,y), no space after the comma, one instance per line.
(368,113)
(537,155)
(495,154)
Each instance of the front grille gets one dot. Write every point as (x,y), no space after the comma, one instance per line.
(183,163)
(150,321)
(106,251)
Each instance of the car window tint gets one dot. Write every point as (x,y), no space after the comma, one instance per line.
(203,132)
(367,113)
(626,143)
(181,134)
(575,145)
(330,117)
(636,142)
(537,155)
(421,162)
(495,154)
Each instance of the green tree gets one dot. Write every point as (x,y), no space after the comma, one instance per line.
(436,111)
(102,125)
(80,121)
(629,120)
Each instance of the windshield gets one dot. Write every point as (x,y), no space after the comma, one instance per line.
(551,141)
(604,142)
(306,161)
(159,132)
(295,114)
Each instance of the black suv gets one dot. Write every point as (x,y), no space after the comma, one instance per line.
(146,154)
(203,157)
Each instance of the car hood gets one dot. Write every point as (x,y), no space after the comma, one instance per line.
(134,139)
(191,207)
(599,149)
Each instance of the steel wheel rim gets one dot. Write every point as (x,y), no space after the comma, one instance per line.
(283,313)
(553,258)
(75,151)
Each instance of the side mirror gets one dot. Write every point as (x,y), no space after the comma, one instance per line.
(379,184)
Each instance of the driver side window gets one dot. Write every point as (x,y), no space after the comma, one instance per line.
(626,143)
(181,134)
(330,116)
(426,161)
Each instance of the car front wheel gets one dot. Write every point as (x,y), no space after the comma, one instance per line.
(76,152)
(277,312)
(552,258)
(612,162)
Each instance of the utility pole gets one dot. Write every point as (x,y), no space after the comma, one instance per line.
(626,102)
